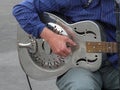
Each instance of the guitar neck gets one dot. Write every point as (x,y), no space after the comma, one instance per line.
(101,47)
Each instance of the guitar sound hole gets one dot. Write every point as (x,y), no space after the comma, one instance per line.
(75,28)
(86,60)
(79,60)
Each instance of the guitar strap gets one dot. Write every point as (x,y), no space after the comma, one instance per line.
(117,12)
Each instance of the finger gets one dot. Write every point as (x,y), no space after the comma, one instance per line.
(70,43)
(66,51)
(61,52)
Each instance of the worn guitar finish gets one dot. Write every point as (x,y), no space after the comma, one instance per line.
(40,63)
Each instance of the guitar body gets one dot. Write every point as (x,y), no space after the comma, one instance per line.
(40,63)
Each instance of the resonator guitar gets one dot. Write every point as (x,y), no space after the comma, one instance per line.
(40,63)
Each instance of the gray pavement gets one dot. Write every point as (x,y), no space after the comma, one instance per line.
(12,76)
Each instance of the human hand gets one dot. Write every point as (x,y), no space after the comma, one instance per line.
(60,44)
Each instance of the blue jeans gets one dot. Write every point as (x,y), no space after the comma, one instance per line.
(81,79)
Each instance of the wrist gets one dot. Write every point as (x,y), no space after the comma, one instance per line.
(47,34)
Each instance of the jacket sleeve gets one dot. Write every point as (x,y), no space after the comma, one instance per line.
(27,14)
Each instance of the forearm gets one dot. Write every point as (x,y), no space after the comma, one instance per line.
(27,15)
(28,20)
